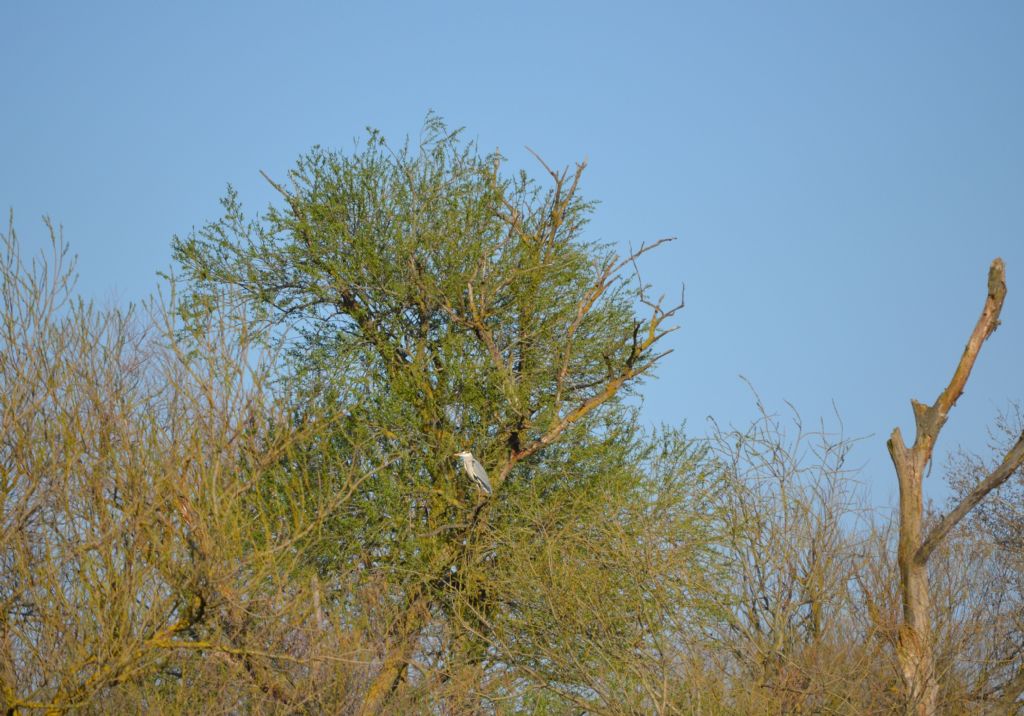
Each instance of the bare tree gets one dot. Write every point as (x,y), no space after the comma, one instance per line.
(159,513)
(915,641)
(795,638)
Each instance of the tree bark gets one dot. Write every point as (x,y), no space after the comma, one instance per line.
(914,646)
(914,649)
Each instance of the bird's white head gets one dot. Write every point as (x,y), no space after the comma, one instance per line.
(464,454)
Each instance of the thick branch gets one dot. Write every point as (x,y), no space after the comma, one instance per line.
(1013,460)
(630,370)
(929,419)
(988,321)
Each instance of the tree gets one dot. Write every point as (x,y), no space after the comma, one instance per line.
(149,560)
(466,310)
(915,645)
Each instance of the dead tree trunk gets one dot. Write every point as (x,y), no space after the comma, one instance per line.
(915,649)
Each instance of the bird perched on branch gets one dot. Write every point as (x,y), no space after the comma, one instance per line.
(475,471)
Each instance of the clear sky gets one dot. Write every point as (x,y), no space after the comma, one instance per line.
(839,175)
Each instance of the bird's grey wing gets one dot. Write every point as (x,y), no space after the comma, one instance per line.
(480,472)
(478,469)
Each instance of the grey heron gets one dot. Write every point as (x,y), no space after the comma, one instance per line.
(475,471)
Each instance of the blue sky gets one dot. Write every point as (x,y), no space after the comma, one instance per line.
(839,175)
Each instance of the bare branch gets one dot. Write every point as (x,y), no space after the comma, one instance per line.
(1013,460)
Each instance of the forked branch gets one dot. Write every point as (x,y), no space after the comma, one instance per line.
(1010,464)
(915,648)
(638,362)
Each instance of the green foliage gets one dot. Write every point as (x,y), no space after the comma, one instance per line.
(437,305)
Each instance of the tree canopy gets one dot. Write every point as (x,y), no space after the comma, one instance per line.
(459,308)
